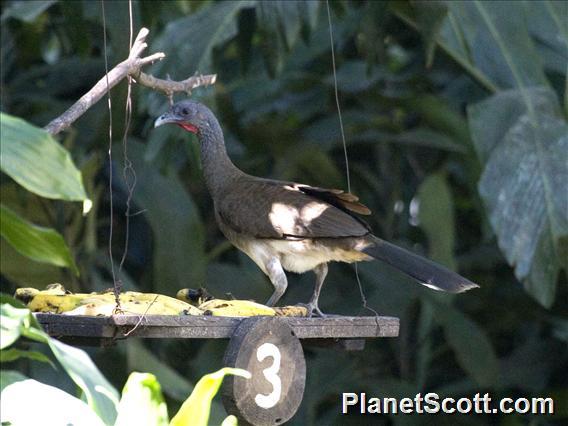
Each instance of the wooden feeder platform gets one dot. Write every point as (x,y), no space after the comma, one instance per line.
(269,348)
(101,330)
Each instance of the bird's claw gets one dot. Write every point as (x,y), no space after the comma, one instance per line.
(313,310)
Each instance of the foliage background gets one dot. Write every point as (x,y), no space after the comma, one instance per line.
(455,117)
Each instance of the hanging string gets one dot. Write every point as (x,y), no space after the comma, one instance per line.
(337,97)
(361,292)
(116,285)
(128,171)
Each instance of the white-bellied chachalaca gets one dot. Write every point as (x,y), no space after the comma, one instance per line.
(286,226)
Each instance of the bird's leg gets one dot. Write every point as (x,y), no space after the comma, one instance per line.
(278,280)
(321,273)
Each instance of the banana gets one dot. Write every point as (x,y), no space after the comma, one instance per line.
(161,306)
(247,308)
(55,299)
(235,308)
(55,303)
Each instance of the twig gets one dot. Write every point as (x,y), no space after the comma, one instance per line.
(168,87)
(141,317)
(130,67)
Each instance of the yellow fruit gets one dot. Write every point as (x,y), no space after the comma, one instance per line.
(55,300)
(235,308)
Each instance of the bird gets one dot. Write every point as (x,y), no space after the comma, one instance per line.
(288,226)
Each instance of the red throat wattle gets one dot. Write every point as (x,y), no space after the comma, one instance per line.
(189,127)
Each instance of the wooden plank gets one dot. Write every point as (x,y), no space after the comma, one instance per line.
(209,327)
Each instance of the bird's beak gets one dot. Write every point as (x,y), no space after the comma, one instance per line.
(165,118)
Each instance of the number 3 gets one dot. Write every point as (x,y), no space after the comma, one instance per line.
(270,374)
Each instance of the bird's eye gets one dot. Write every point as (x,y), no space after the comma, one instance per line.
(185,111)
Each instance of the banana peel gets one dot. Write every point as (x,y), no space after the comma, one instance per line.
(55,299)
(58,301)
(235,308)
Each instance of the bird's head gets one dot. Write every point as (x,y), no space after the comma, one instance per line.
(189,115)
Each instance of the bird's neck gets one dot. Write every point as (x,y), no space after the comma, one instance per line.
(218,169)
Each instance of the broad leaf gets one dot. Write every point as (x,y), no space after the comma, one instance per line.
(26,11)
(189,42)
(230,421)
(7,377)
(13,320)
(173,384)
(100,395)
(548,25)
(142,402)
(36,161)
(436,217)
(523,184)
(138,357)
(280,24)
(471,345)
(19,270)
(196,35)
(195,409)
(430,16)
(489,39)
(36,242)
(50,406)
(12,354)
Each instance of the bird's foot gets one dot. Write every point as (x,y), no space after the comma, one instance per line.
(313,310)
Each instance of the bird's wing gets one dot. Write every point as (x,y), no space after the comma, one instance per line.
(265,208)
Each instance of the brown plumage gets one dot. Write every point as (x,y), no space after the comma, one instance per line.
(291,226)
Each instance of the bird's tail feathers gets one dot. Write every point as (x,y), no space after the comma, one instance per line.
(426,272)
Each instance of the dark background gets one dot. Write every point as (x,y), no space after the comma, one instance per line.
(433,151)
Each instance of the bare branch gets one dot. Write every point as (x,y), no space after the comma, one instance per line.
(129,67)
(169,87)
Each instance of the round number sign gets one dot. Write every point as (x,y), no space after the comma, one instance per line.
(267,348)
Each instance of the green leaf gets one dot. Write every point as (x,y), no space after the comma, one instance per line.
(173,383)
(471,345)
(36,161)
(26,11)
(437,218)
(189,41)
(10,300)
(140,358)
(425,137)
(490,40)
(13,354)
(36,242)
(355,77)
(281,19)
(13,320)
(7,377)
(523,184)
(19,270)
(548,27)
(101,396)
(69,411)
(504,48)
(430,16)
(230,421)
(195,409)
(142,402)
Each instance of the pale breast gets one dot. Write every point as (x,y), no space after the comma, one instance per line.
(301,255)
